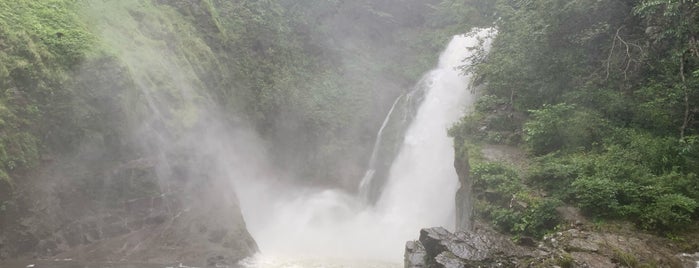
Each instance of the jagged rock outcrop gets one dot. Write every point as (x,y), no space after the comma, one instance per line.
(464,202)
(484,247)
(481,247)
(197,223)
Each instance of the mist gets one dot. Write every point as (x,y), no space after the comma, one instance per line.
(176,166)
(295,224)
(327,133)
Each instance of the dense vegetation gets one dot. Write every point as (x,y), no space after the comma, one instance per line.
(78,78)
(283,66)
(603,96)
(40,44)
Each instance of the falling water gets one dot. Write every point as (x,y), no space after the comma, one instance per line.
(366,183)
(300,227)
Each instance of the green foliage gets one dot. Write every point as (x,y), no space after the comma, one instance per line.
(669,212)
(545,48)
(626,179)
(492,121)
(509,204)
(610,91)
(71,73)
(554,173)
(540,217)
(41,42)
(598,195)
(565,260)
(626,259)
(563,127)
(54,25)
(495,178)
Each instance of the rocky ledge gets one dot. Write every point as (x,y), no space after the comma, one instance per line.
(484,247)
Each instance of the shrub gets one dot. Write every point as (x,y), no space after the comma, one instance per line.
(554,173)
(539,217)
(669,212)
(496,179)
(597,195)
(489,103)
(563,127)
(493,121)
(509,204)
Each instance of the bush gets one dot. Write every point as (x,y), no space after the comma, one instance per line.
(509,204)
(539,217)
(496,179)
(669,212)
(489,103)
(635,178)
(656,154)
(504,219)
(493,121)
(563,127)
(597,195)
(554,173)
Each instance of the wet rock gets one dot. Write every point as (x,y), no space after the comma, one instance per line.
(47,247)
(463,198)
(201,229)
(435,240)
(527,241)
(484,247)
(114,229)
(689,260)
(586,259)
(582,245)
(449,260)
(217,236)
(415,255)
(480,248)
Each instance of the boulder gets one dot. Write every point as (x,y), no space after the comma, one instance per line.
(415,255)
(482,247)
(689,260)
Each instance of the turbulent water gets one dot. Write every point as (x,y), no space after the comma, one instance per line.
(300,227)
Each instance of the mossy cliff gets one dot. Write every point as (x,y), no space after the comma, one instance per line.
(110,111)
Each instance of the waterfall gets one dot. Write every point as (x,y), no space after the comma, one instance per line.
(422,181)
(365,185)
(301,227)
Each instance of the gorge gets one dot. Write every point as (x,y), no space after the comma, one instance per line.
(151,178)
(328,133)
(332,224)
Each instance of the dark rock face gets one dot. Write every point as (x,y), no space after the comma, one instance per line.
(479,248)
(464,203)
(484,247)
(199,226)
(197,223)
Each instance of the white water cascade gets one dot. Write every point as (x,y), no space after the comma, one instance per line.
(366,182)
(300,227)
